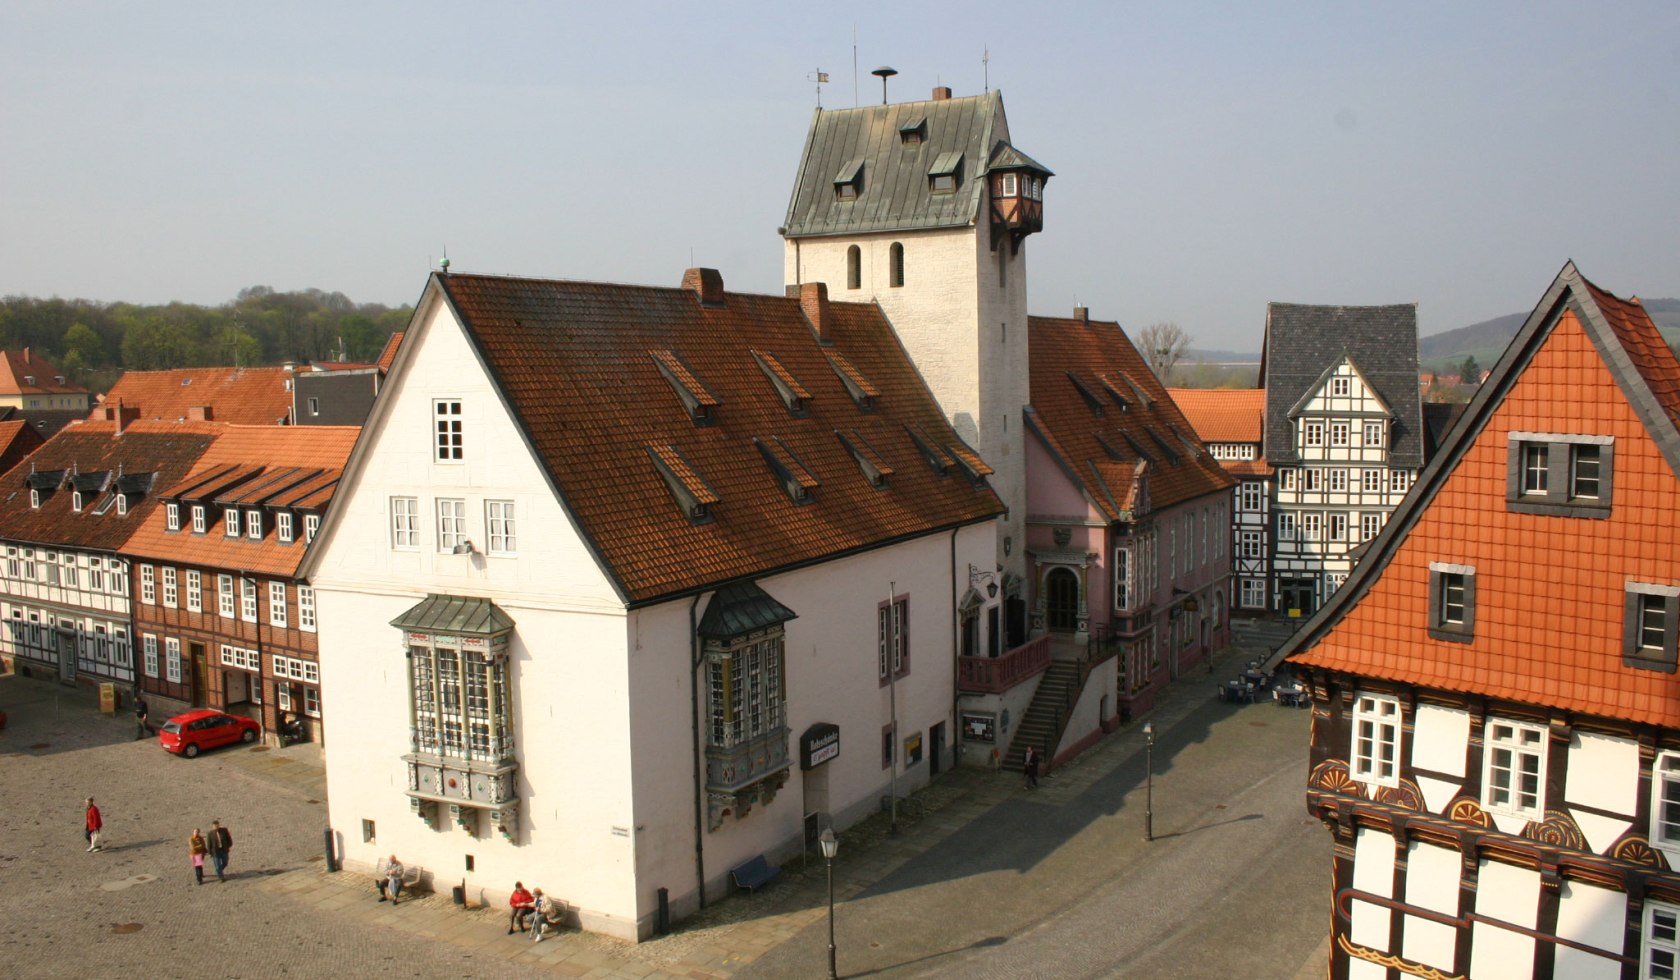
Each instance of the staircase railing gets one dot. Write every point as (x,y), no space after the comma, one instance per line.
(994,675)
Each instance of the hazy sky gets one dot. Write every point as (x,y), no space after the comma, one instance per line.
(1208,158)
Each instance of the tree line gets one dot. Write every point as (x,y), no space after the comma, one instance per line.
(93,343)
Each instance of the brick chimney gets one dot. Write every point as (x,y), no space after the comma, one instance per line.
(1082,314)
(813,302)
(941,93)
(707,284)
(201,413)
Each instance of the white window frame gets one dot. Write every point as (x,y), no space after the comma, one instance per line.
(1659,940)
(149,655)
(1312,434)
(1340,386)
(1371,481)
(1522,740)
(1399,480)
(1370,525)
(277,604)
(1312,526)
(253,525)
(248,599)
(226,605)
(501,527)
(405,523)
(1376,727)
(1665,799)
(1373,435)
(195,590)
(1341,434)
(448,431)
(1335,527)
(172,660)
(230,522)
(199,521)
(1252,544)
(1286,527)
(306,608)
(1250,496)
(1253,593)
(171,587)
(1338,480)
(1122,578)
(451,523)
(311,524)
(1286,478)
(283,526)
(172,516)
(148,585)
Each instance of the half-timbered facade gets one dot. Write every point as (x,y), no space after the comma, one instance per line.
(221,617)
(1496,727)
(1344,433)
(1230,421)
(69,509)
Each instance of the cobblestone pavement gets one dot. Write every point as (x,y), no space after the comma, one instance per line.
(133,908)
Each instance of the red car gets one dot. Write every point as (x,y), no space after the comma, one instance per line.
(195,731)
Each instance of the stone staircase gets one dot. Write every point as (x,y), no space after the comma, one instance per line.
(1046,717)
(1266,634)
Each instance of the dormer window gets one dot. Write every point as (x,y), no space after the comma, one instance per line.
(848,183)
(691,492)
(913,132)
(945,172)
(311,524)
(29,379)
(35,499)
(76,501)
(253,524)
(231,520)
(122,504)
(198,520)
(795,478)
(283,526)
(700,403)
(863,393)
(874,468)
(171,516)
(788,388)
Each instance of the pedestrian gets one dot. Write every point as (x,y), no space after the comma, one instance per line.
(141,712)
(1030,767)
(95,828)
(539,909)
(391,885)
(221,842)
(520,901)
(197,848)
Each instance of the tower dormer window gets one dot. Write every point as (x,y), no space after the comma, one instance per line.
(848,183)
(945,172)
(1006,185)
(913,131)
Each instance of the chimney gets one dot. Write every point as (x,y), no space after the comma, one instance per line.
(26,355)
(120,414)
(289,366)
(201,413)
(941,93)
(813,302)
(1082,314)
(707,284)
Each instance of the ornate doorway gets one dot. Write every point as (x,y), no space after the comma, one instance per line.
(1061,606)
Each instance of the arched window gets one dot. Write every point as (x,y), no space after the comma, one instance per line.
(854,268)
(897,256)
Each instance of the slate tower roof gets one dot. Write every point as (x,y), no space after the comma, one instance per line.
(1303,343)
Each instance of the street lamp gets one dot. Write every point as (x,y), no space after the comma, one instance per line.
(830,847)
(1149,782)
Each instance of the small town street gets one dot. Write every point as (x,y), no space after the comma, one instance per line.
(990,881)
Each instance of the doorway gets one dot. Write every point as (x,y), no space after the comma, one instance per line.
(200,674)
(1298,595)
(65,640)
(1061,606)
(936,736)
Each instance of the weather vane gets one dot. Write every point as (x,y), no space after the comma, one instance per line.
(821,78)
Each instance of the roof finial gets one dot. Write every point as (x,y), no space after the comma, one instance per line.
(444,263)
(884,73)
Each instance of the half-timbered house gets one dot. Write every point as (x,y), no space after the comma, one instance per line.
(1344,433)
(1496,709)
(1231,421)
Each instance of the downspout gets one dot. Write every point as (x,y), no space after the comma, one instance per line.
(956,663)
(699,787)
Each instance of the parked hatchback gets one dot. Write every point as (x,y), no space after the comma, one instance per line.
(195,731)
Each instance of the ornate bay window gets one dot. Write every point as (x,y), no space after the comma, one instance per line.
(461,722)
(741,639)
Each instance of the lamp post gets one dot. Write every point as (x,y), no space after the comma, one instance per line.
(830,847)
(1149,782)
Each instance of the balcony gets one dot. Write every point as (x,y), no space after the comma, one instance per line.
(994,675)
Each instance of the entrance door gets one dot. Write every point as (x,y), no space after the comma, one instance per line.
(936,735)
(65,640)
(1298,597)
(200,674)
(1061,605)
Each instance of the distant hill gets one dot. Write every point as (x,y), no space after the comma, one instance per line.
(1487,340)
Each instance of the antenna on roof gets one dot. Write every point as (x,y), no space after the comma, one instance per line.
(986,66)
(854,67)
(821,78)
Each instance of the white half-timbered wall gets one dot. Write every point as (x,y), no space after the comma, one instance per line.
(55,599)
(1251,541)
(1342,491)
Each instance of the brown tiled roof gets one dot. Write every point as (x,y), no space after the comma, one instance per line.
(243,396)
(579,366)
(17,367)
(165,449)
(1549,589)
(17,440)
(1081,373)
(252,466)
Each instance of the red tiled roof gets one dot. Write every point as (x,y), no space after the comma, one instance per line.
(579,365)
(165,449)
(1078,366)
(1549,589)
(259,465)
(243,396)
(389,354)
(17,367)
(1223,414)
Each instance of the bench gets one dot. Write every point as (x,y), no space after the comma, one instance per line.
(753,874)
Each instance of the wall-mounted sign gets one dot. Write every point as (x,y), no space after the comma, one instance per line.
(913,749)
(820,743)
(979,727)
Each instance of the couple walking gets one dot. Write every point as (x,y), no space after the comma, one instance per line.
(216,847)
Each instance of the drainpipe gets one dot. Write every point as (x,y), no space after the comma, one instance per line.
(699,786)
(956,664)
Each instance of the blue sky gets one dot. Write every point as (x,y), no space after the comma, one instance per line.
(1209,157)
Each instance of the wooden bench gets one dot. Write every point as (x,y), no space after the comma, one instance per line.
(753,874)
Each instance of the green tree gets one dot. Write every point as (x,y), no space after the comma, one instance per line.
(1470,372)
(83,346)
(154,345)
